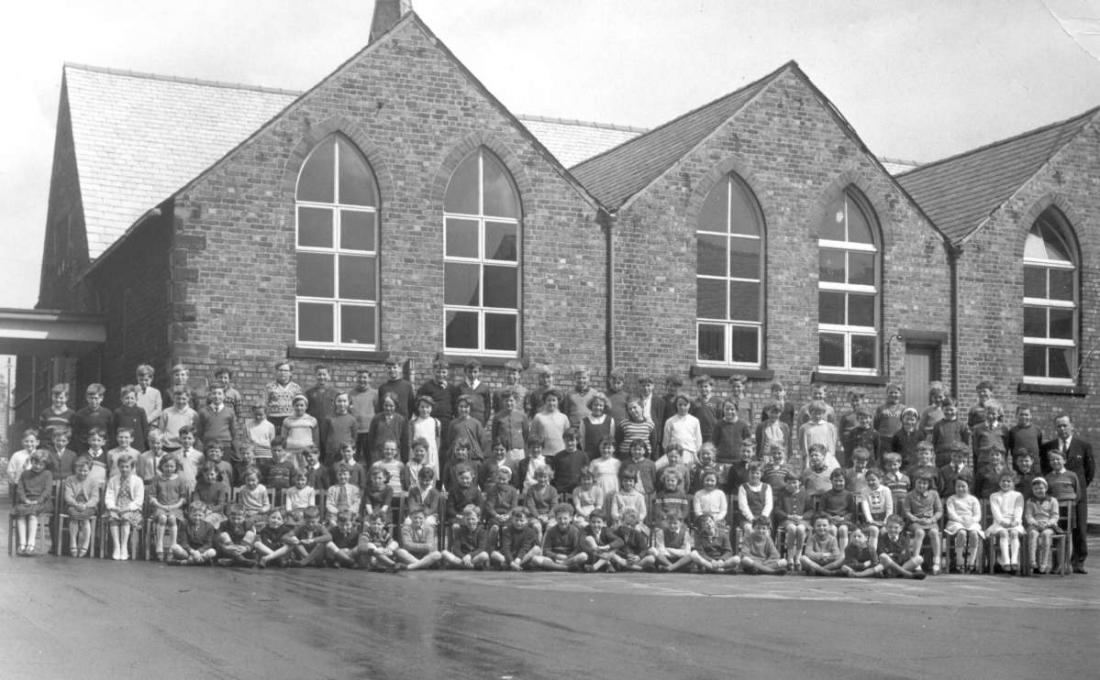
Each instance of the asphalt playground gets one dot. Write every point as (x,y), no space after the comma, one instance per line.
(91,618)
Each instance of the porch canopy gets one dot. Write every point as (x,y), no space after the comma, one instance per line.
(49,332)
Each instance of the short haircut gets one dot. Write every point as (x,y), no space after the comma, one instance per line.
(427,474)
(425,399)
(300,397)
(223,370)
(598,514)
(166,460)
(562,507)
(761,521)
(861,453)
(145,370)
(571,433)
(464,399)
(311,512)
(127,389)
(421,443)
(837,473)
(518,511)
(471,510)
(186,429)
(471,364)
(342,467)
(910,411)
(892,456)
(125,458)
(984,385)
(282,362)
(196,506)
(29,432)
(96,388)
(502,470)
(85,460)
(97,432)
(873,472)
(344,516)
(895,519)
(704,379)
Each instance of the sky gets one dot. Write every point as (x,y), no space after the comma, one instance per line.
(918,80)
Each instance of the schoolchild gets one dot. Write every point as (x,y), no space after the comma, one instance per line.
(196,544)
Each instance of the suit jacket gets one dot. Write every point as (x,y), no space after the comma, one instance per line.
(1079,459)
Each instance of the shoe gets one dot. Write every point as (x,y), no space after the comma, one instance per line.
(1079,569)
(919,575)
(935,570)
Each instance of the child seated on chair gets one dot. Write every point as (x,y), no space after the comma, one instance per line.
(33,502)
(710,501)
(821,555)
(197,546)
(1041,516)
(252,496)
(424,496)
(235,539)
(923,511)
(271,541)
(81,494)
(343,549)
(627,497)
(839,505)
(587,497)
(893,551)
(464,493)
(308,541)
(633,553)
(213,492)
(562,549)
(123,501)
(860,560)
(418,549)
(711,550)
(754,498)
(792,510)
(300,496)
(601,544)
(876,503)
(470,541)
(670,496)
(343,496)
(671,549)
(1007,509)
(378,496)
(377,547)
(541,498)
(518,542)
(167,501)
(964,524)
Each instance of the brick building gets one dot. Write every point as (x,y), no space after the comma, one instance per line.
(398,207)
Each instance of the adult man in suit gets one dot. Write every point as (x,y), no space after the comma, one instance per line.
(1079,460)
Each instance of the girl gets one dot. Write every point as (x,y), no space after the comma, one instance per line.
(123,501)
(343,496)
(588,497)
(378,496)
(905,440)
(459,458)
(387,426)
(540,499)
(393,466)
(550,424)
(754,498)
(876,503)
(964,523)
(596,426)
(81,495)
(33,500)
(1042,524)
(300,496)
(299,430)
(423,427)
(670,498)
(773,432)
(710,501)
(711,550)
(758,553)
(167,501)
(213,492)
(252,495)
(1007,508)
(424,496)
(683,429)
(605,469)
(636,426)
(678,459)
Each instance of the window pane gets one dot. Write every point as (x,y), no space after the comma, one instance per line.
(461,330)
(746,346)
(711,302)
(461,238)
(1054,248)
(357,278)
(356,180)
(1061,324)
(460,284)
(462,190)
(1035,282)
(315,227)
(745,258)
(710,256)
(861,268)
(831,265)
(712,217)
(712,342)
(863,351)
(1061,284)
(357,325)
(744,218)
(744,301)
(1035,361)
(315,275)
(500,332)
(356,230)
(501,288)
(314,322)
(500,197)
(861,310)
(1035,322)
(315,182)
(1061,362)
(859,230)
(830,307)
(500,241)
(831,349)
(832,225)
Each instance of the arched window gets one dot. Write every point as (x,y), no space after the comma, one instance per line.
(1050,301)
(729,271)
(848,287)
(481,263)
(336,202)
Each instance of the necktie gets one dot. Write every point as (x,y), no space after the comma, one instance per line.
(342,497)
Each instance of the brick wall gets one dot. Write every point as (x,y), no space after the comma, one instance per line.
(795,157)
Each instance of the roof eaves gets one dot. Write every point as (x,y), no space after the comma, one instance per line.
(178,79)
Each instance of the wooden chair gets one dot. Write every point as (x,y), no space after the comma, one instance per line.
(63,520)
(1062,544)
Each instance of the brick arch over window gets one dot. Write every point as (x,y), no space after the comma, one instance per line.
(1051,304)
(314,134)
(731,251)
(482,257)
(336,242)
(1052,200)
(870,188)
(467,146)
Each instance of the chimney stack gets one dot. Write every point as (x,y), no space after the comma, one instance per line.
(386,14)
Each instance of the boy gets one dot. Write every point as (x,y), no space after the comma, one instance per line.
(561,544)
(322,397)
(1024,436)
(1063,484)
(279,394)
(859,559)
(850,419)
(363,404)
(569,463)
(500,498)
(893,478)
(189,457)
(989,436)
(280,474)
(746,411)
(316,474)
(541,498)
(855,477)
(711,550)
(575,406)
(976,414)
(477,391)
(862,435)
(261,434)
(377,548)
(792,505)
(357,471)
(132,417)
(906,439)
(601,544)
(418,543)
(534,399)
(149,462)
(671,545)
(124,438)
(235,538)
(307,542)
(175,417)
(487,470)
(786,409)
(616,395)
(181,380)
(894,554)
(759,554)
(633,553)
(338,430)
(822,555)
(815,478)
(217,424)
(465,426)
(92,417)
(223,378)
(817,430)
(439,389)
(60,454)
(463,494)
(933,413)
(518,543)
(196,545)
(513,373)
(887,419)
(468,549)
(925,464)
(148,398)
(959,467)
(510,428)
(923,511)
(1025,466)
(818,393)
(402,390)
(343,496)
(948,432)
(705,408)
(271,541)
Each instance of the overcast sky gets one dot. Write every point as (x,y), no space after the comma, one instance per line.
(918,79)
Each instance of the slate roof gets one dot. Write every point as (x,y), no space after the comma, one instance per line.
(959,193)
(573,141)
(140,137)
(616,175)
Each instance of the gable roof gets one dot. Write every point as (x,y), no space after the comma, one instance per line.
(959,193)
(574,141)
(616,175)
(139,137)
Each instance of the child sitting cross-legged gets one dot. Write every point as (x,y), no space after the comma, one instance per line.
(633,553)
(518,542)
(418,543)
(470,541)
(821,556)
(711,550)
(859,559)
(893,551)
(561,545)
(377,548)
(235,539)
(671,545)
(197,544)
(272,541)
(343,549)
(307,543)
(758,552)
(601,544)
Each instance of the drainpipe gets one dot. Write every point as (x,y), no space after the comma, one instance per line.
(607,219)
(953,254)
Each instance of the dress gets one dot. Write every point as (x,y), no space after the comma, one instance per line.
(964,513)
(606,472)
(34,494)
(592,433)
(429,430)
(81,497)
(587,500)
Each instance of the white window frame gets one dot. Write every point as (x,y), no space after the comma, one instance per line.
(337,303)
(481,261)
(1047,304)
